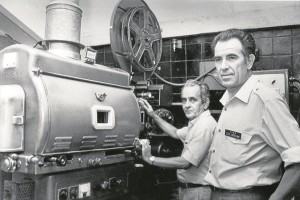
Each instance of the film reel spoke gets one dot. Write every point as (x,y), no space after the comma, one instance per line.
(136,28)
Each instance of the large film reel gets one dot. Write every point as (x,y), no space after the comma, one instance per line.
(135,36)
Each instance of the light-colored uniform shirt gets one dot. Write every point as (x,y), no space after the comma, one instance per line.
(255,133)
(196,137)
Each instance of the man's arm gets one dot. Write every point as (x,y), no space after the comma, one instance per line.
(173,162)
(165,126)
(289,184)
(282,134)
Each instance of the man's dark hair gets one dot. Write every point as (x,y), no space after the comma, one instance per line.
(245,38)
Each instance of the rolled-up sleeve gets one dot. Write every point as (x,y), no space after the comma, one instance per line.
(282,131)
(196,149)
(181,133)
(291,156)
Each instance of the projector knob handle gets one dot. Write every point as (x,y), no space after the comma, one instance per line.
(61,160)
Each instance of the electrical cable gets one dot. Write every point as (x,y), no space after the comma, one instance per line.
(42,44)
(12,38)
(181,84)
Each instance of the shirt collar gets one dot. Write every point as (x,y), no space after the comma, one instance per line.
(206,113)
(244,92)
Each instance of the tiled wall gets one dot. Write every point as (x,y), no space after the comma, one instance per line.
(279,48)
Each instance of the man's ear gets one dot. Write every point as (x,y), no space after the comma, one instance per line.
(206,104)
(251,60)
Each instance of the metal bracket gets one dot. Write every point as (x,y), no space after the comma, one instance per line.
(36,71)
(101,97)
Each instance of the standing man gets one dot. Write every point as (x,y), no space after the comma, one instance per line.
(192,165)
(255,132)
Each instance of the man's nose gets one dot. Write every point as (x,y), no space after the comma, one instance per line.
(224,65)
(187,103)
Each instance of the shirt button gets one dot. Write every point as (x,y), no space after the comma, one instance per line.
(213,151)
(219,130)
(225,109)
(209,171)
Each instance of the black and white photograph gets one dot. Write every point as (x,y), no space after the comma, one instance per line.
(149,100)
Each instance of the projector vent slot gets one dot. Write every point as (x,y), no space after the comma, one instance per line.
(88,142)
(62,143)
(128,140)
(110,141)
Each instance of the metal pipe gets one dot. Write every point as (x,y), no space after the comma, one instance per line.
(63,24)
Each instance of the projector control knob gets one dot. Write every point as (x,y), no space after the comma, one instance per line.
(61,160)
(104,185)
(91,162)
(98,162)
(10,163)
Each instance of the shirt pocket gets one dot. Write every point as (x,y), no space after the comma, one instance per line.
(234,150)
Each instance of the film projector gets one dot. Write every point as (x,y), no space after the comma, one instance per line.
(68,125)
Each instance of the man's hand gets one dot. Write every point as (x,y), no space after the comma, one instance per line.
(146,106)
(161,123)
(146,151)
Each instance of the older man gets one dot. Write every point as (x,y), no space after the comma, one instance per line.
(192,165)
(255,132)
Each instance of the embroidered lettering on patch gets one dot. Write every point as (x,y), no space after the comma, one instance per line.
(233,134)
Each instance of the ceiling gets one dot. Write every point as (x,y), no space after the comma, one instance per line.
(176,17)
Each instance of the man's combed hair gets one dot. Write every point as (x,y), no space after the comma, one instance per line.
(204,89)
(246,39)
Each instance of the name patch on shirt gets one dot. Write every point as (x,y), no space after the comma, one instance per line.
(233,134)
